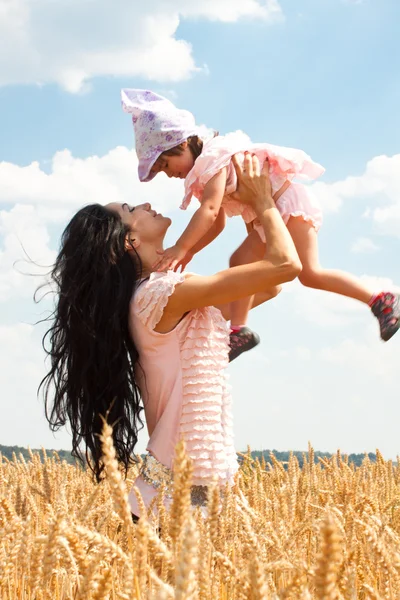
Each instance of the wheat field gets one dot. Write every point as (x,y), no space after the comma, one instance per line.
(324,531)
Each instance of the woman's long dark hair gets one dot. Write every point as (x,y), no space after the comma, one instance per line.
(92,355)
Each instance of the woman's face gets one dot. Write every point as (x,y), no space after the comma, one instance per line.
(146,225)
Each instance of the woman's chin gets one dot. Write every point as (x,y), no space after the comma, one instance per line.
(164,225)
(167,221)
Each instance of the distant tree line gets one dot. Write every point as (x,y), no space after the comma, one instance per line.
(357,459)
(9,451)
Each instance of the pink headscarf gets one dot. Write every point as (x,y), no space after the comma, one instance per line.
(158,125)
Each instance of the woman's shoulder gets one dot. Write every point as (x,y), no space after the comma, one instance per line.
(157,284)
(151,296)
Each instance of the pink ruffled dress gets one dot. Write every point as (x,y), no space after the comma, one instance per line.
(183,385)
(285,164)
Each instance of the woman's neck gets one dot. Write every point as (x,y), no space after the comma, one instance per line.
(150,256)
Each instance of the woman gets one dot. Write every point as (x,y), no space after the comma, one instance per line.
(122,333)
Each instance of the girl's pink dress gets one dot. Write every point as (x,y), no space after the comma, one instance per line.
(285,164)
(183,385)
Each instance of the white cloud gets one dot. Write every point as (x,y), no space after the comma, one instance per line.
(331,311)
(342,397)
(22,410)
(24,238)
(50,197)
(326,310)
(364,245)
(32,201)
(329,378)
(75,181)
(303,353)
(40,199)
(20,374)
(379,185)
(328,196)
(71,41)
(229,11)
(366,356)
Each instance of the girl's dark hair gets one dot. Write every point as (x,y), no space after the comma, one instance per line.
(92,355)
(195,145)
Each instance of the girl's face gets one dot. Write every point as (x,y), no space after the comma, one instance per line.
(175,166)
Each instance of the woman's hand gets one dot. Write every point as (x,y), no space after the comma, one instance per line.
(254,187)
(171,258)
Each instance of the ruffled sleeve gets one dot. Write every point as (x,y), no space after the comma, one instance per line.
(152,296)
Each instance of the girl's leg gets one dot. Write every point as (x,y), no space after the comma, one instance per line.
(257,300)
(385,306)
(242,338)
(251,250)
(313,275)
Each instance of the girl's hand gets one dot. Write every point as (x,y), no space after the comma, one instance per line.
(183,263)
(171,257)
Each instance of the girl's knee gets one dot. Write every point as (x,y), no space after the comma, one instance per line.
(237,258)
(233,260)
(275,291)
(310,277)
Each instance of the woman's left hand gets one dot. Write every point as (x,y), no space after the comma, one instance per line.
(171,257)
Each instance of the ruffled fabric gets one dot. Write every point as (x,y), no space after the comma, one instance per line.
(300,201)
(152,296)
(285,164)
(183,385)
(206,422)
(297,201)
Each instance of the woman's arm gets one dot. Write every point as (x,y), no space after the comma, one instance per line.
(279,265)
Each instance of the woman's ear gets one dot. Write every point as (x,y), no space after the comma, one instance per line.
(131,241)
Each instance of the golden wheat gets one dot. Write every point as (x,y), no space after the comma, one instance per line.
(328,530)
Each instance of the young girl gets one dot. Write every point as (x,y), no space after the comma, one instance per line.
(168,140)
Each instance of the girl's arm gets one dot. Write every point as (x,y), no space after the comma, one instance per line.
(205,216)
(212,233)
(199,225)
(279,265)
(217,228)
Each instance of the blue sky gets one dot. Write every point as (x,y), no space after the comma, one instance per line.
(320,75)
